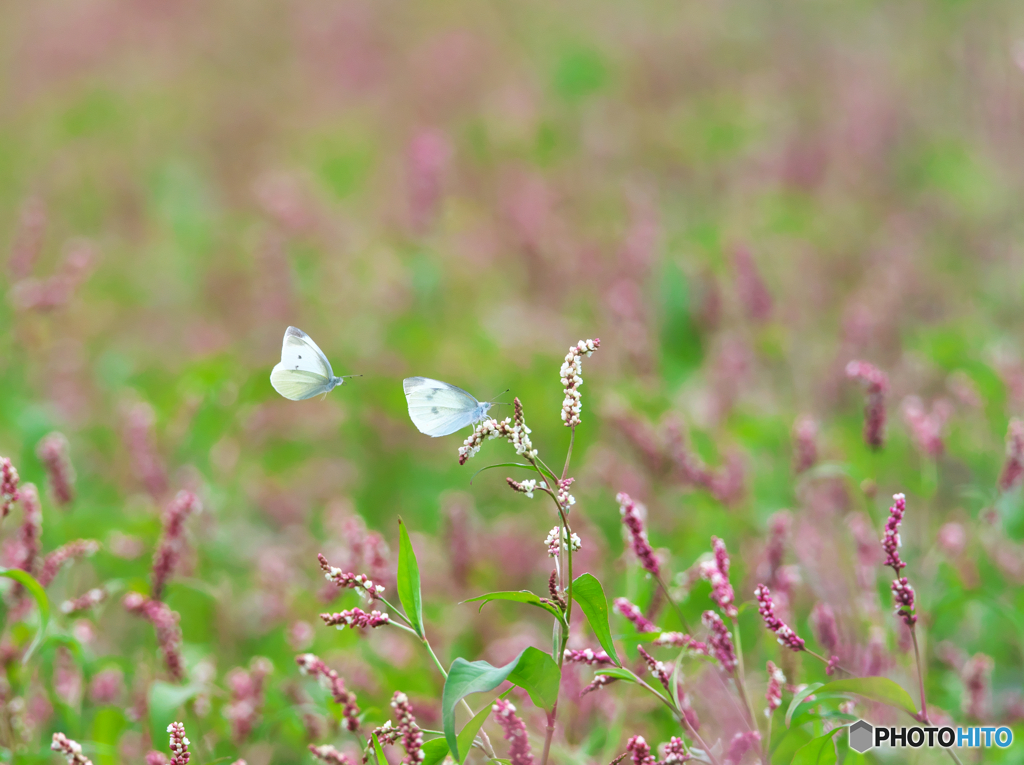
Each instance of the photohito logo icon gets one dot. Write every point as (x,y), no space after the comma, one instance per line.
(862,736)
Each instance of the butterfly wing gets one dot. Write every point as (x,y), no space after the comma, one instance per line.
(437,408)
(300,352)
(304,371)
(298,384)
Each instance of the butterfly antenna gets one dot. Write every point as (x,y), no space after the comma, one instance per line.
(501,394)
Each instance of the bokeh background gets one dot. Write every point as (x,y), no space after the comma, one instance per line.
(736,197)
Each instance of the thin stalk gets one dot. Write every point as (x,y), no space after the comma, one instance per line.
(397,612)
(483,734)
(740,679)
(682,718)
(920,674)
(568,454)
(675,606)
(825,661)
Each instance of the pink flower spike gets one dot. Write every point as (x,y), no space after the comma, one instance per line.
(179,744)
(355,618)
(71,750)
(632,517)
(588,656)
(412,736)
(515,732)
(823,622)
(640,751)
(358,582)
(675,752)
(311,664)
(720,641)
(165,622)
(635,615)
(716,572)
(891,542)
(172,541)
(53,562)
(876,384)
(53,453)
(766,608)
(681,640)
(599,681)
(773,695)
(741,744)
(1013,467)
(661,671)
(805,443)
(8,486)
(330,755)
(571,375)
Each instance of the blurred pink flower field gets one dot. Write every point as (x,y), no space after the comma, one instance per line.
(781,493)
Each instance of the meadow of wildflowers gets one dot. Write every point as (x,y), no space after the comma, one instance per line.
(789,494)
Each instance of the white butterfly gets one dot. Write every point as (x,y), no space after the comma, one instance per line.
(439,409)
(304,371)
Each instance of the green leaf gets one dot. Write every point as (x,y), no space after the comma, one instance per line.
(798,699)
(880,689)
(409,580)
(500,464)
(620,673)
(521,596)
(819,751)
(589,594)
(434,751)
(378,752)
(164,701)
(107,726)
(785,744)
(36,590)
(539,675)
(533,670)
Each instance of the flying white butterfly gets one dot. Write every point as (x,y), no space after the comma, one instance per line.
(304,371)
(439,409)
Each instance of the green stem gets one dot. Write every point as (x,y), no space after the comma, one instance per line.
(487,741)
(681,717)
(568,454)
(740,679)
(675,606)
(825,661)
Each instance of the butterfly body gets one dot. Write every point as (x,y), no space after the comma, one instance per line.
(304,371)
(439,408)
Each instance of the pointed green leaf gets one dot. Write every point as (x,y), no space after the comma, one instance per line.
(818,751)
(37,592)
(880,689)
(619,673)
(798,700)
(539,675)
(522,596)
(434,751)
(589,594)
(533,670)
(378,752)
(409,580)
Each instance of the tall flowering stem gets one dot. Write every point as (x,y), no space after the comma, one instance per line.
(716,573)
(766,607)
(312,665)
(1013,467)
(903,593)
(172,540)
(53,562)
(876,384)
(168,633)
(8,486)
(515,732)
(53,453)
